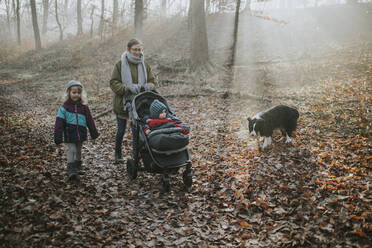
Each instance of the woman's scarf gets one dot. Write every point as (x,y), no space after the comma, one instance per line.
(126,75)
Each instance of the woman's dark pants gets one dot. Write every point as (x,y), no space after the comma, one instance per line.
(120,131)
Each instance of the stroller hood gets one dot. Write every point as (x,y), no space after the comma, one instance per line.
(142,102)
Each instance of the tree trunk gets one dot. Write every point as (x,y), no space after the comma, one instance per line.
(102,19)
(247,5)
(199,39)
(65,9)
(92,20)
(18,23)
(45,16)
(14,17)
(208,6)
(79,19)
(189,16)
(138,19)
(35,25)
(235,34)
(163,10)
(115,13)
(7,8)
(57,20)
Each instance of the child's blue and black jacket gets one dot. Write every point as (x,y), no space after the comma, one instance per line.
(72,121)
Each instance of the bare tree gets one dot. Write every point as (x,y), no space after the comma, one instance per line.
(92,20)
(164,8)
(199,40)
(14,14)
(102,19)
(247,6)
(35,25)
(18,23)
(45,16)
(79,19)
(58,22)
(208,6)
(235,34)
(138,19)
(65,7)
(115,13)
(7,8)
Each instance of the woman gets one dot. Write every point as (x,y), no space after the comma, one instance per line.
(129,75)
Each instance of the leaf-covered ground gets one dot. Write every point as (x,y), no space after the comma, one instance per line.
(314,193)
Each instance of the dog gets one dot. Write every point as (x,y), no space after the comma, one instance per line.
(279,117)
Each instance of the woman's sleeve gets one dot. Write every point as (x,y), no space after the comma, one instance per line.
(59,126)
(116,84)
(91,125)
(150,75)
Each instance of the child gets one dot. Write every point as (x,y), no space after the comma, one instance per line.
(159,116)
(72,119)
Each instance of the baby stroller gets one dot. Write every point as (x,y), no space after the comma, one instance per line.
(162,161)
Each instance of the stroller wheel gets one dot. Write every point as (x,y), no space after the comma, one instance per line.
(131,169)
(187,178)
(165,180)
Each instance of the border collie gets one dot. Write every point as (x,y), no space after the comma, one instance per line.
(279,117)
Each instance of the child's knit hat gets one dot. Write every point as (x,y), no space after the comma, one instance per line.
(156,108)
(73,83)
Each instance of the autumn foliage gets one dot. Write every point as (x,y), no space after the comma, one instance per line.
(315,192)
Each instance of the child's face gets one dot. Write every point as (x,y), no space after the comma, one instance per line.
(163,114)
(75,93)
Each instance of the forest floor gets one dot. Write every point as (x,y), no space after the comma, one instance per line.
(315,192)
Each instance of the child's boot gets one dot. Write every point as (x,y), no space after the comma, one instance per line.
(79,168)
(72,172)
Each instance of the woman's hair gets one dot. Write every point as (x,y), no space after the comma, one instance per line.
(133,42)
(84,98)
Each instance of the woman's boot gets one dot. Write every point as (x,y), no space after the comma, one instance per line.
(118,157)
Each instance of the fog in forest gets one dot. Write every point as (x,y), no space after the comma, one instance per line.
(272,35)
(284,46)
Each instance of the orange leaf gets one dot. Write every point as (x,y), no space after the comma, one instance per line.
(361,234)
(245,236)
(354,217)
(244,223)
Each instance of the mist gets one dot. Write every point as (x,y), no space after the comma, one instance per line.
(285,47)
